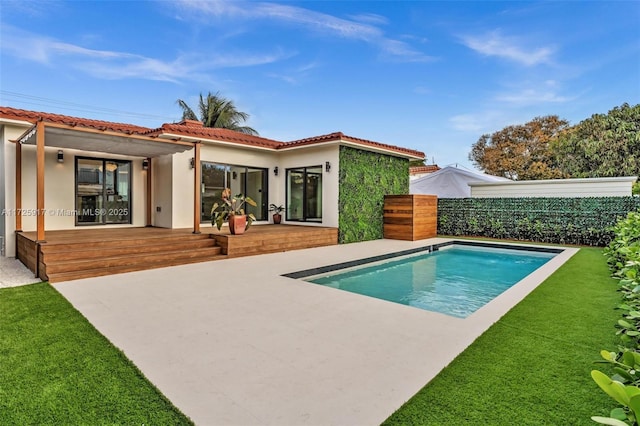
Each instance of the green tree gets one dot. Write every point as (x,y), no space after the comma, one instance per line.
(520,151)
(604,145)
(217,111)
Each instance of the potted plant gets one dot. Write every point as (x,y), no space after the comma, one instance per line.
(231,210)
(277,210)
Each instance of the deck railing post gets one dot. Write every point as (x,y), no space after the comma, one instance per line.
(197,173)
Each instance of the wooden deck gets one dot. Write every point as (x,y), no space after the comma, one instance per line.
(82,253)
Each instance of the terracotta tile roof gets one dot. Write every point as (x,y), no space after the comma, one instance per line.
(339,136)
(418,170)
(35,116)
(195,129)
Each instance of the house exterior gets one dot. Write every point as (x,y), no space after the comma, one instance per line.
(61,172)
(416,172)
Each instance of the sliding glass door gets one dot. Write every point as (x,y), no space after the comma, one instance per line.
(304,194)
(248,181)
(103,191)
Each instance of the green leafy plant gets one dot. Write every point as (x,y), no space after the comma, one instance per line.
(627,396)
(231,206)
(623,257)
(276,209)
(365,178)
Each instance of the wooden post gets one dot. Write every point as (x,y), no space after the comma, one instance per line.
(18,186)
(197,173)
(149,200)
(40,180)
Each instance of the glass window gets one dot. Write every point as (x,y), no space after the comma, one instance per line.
(304,194)
(252,182)
(103,191)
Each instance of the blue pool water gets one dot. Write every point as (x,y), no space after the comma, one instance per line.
(454,281)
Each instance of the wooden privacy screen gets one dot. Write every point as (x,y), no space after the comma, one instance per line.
(410,217)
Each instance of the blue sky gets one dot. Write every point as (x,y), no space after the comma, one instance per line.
(432,76)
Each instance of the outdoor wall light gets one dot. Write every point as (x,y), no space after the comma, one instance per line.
(192,163)
(234,175)
(327,167)
(275,171)
(60,156)
(145,164)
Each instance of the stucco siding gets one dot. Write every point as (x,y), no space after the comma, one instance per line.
(10,132)
(162,200)
(59,189)
(330,180)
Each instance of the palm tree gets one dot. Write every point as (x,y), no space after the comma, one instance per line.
(216,111)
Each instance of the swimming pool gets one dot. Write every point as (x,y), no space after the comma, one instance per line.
(456,278)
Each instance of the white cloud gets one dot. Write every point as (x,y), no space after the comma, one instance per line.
(399,49)
(533,93)
(361,27)
(495,44)
(370,18)
(121,65)
(481,122)
(532,97)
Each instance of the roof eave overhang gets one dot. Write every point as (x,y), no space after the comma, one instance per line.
(356,145)
(21,123)
(105,141)
(193,139)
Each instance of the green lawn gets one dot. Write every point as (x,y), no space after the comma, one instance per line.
(532,367)
(55,368)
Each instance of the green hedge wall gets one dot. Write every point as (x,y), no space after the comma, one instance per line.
(365,178)
(584,221)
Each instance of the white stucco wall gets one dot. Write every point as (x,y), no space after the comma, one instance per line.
(162,189)
(182,186)
(183,176)
(59,189)
(590,187)
(10,132)
(316,156)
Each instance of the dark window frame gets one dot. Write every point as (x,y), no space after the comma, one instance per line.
(103,222)
(305,213)
(265,186)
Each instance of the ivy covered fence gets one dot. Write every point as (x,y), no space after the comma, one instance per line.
(582,221)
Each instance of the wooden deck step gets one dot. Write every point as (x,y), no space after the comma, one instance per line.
(131,260)
(118,242)
(89,251)
(99,272)
(82,253)
(68,257)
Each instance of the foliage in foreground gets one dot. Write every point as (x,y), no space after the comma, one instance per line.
(623,256)
(58,370)
(532,366)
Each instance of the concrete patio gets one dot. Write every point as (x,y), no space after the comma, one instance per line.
(234,343)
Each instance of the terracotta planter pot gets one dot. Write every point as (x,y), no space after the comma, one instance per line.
(277,218)
(237,224)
